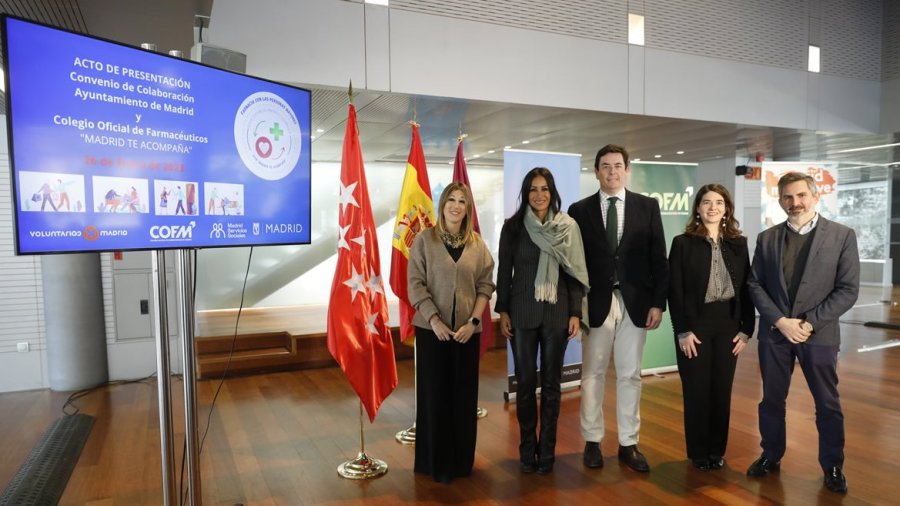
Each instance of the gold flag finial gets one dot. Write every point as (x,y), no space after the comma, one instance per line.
(461,135)
(413,121)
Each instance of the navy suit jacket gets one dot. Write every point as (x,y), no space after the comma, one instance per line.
(639,263)
(828,288)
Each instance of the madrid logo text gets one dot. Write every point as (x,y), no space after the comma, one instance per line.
(89,233)
(283,228)
(172,232)
(267,136)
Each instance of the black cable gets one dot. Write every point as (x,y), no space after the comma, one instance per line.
(230,353)
(74,396)
(181,492)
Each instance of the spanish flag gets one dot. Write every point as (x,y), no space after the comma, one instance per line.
(415,213)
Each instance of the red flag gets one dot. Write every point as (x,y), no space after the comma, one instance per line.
(460,174)
(415,213)
(358,334)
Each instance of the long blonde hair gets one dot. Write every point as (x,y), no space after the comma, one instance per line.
(467,227)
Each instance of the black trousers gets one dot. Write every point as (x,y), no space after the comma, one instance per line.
(525,344)
(819,366)
(446,405)
(706,382)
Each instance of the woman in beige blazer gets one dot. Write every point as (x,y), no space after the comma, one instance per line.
(450,283)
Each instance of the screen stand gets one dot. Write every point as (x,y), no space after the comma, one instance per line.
(184,281)
(163,376)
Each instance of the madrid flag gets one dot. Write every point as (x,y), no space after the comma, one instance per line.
(358,334)
(414,214)
(461,175)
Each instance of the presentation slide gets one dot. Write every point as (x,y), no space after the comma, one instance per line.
(118,148)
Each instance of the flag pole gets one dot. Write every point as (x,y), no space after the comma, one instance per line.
(362,467)
(408,436)
(479,411)
(346,326)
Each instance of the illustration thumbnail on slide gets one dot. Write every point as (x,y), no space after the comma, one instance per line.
(51,192)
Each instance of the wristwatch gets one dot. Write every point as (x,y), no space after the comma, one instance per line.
(805,325)
(474,321)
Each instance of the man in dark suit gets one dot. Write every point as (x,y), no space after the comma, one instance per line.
(805,275)
(625,249)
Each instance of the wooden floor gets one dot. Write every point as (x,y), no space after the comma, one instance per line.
(277,439)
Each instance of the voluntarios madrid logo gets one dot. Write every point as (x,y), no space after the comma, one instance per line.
(267,135)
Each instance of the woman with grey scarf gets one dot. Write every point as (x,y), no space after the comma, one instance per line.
(541,281)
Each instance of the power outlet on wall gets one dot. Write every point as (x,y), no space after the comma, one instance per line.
(22,347)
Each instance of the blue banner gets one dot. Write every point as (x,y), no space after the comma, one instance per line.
(565,168)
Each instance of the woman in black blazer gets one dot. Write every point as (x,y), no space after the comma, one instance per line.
(541,280)
(712,317)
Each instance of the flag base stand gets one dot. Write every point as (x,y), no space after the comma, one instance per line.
(407,436)
(362,467)
(481,412)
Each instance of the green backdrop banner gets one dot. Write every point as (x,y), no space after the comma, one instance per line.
(673,187)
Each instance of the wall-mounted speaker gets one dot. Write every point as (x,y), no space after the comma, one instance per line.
(219,57)
(741,170)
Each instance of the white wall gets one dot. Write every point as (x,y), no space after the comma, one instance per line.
(327,43)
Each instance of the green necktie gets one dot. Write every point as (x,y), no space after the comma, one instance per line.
(612,223)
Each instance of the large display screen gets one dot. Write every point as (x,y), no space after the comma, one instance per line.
(118,148)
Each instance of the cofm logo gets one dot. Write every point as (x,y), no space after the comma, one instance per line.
(173,232)
(673,202)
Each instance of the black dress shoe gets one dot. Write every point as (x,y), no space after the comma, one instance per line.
(716,462)
(545,467)
(633,458)
(762,467)
(835,481)
(592,456)
(528,467)
(701,464)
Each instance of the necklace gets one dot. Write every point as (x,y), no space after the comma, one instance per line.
(453,240)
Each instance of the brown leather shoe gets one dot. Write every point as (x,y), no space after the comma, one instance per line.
(633,458)
(592,456)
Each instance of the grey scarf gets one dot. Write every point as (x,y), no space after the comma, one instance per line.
(559,240)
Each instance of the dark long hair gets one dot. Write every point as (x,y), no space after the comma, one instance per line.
(695,226)
(517,220)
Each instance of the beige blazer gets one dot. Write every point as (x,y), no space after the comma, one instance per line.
(435,280)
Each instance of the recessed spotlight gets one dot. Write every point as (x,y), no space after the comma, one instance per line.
(525,142)
(679,152)
(636,160)
(490,151)
(320,130)
(507,147)
(657,156)
(584,169)
(476,156)
(313,137)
